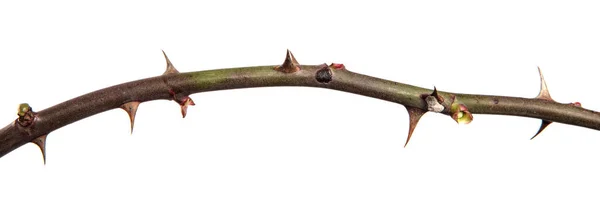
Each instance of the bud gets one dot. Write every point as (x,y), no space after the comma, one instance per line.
(461,114)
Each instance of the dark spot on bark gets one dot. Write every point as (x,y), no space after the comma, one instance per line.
(324,75)
(496,101)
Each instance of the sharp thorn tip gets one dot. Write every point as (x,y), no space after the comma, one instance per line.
(41,143)
(131,109)
(414,115)
(290,64)
(170,70)
(544,92)
(543,126)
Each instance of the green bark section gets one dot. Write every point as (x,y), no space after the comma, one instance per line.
(343,80)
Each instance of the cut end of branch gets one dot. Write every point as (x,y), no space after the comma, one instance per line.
(414,115)
(171,70)
(290,65)
(41,142)
(544,125)
(544,93)
(131,109)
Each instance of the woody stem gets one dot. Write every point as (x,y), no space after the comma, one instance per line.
(15,135)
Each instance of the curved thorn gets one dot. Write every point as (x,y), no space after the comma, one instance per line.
(544,125)
(41,142)
(290,64)
(544,93)
(184,105)
(414,115)
(131,109)
(170,68)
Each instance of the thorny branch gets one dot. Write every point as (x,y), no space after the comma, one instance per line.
(33,126)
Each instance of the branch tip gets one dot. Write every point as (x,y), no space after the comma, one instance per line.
(131,109)
(170,70)
(414,115)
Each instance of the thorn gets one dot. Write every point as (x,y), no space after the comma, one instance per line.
(545,124)
(131,109)
(290,65)
(41,142)
(414,114)
(184,105)
(290,55)
(544,93)
(171,70)
(437,96)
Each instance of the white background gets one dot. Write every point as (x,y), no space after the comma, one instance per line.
(301,155)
